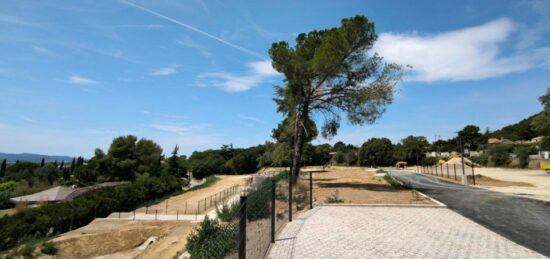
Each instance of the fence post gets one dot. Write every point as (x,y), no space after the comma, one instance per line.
(185,207)
(242,228)
(311,190)
(447,171)
(441,169)
(156,210)
(166,207)
(177,214)
(473,174)
(290,195)
(119,215)
(146,209)
(436,170)
(273,211)
(134,218)
(454,165)
(204,205)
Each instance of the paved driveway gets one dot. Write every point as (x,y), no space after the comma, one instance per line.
(522,220)
(391,232)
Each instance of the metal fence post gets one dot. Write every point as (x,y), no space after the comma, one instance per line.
(447,171)
(166,207)
(177,214)
(473,174)
(290,195)
(273,211)
(436,170)
(454,165)
(134,218)
(441,169)
(156,210)
(242,228)
(311,190)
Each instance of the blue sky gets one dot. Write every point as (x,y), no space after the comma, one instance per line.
(75,74)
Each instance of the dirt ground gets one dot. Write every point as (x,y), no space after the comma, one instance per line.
(119,239)
(360,186)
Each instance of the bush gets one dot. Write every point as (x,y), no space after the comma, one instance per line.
(482,159)
(499,154)
(48,248)
(334,198)
(228,212)
(211,239)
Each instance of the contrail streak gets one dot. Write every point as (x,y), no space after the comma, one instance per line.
(245,50)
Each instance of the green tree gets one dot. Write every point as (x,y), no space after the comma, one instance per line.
(411,148)
(3,168)
(176,165)
(470,136)
(43,162)
(122,157)
(331,72)
(499,154)
(244,162)
(62,165)
(541,122)
(73,164)
(148,157)
(376,152)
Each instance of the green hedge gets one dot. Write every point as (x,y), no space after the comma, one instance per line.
(57,218)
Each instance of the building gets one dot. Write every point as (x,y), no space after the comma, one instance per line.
(58,194)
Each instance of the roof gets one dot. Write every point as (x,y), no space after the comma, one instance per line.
(61,193)
(54,194)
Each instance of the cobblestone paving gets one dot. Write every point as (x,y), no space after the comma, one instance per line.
(391,232)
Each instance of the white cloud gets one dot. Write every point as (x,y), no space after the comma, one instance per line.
(258,72)
(466,54)
(189,43)
(43,51)
(177,129)
(165,71)
(78,80)
(250,118)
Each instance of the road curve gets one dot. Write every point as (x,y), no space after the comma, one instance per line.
(522,220)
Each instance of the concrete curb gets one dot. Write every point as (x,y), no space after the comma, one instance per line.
(383,205)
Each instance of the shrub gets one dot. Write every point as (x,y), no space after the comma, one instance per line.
(482,159)
(228,212)
(392,181)
(211,239)
(334,198)
(48,248)
(499,154)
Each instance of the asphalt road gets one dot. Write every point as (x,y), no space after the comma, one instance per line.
(523,220)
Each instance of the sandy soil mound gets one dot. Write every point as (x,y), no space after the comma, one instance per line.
(98,238)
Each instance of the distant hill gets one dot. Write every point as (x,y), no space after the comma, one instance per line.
(37,158)
(519,131)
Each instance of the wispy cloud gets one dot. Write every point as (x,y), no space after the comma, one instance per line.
(42,51)
(177,129)
(467,54)
(259,72)
(165,71)
(195,29)
(189,43)
(139,26)
(13,20)
(250,118)
(79,80)
(163,115)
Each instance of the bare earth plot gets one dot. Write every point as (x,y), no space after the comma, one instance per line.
(391,232)
(360,185)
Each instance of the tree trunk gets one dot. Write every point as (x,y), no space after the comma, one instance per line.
(298,144)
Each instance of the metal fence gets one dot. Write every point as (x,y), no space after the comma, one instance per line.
(449,171)
(258,217)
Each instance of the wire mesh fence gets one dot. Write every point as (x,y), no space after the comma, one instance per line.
(245,229)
